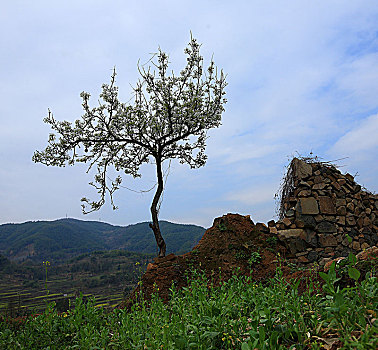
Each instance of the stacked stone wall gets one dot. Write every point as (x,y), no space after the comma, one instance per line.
(322,211)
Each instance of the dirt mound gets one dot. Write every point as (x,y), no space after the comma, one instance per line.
(233,242)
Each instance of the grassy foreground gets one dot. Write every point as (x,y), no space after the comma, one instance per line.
(238,314)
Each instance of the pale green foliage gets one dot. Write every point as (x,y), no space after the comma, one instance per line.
(168,119)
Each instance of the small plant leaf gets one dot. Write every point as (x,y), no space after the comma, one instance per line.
(354,273)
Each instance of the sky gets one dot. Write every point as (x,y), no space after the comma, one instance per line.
(302,77)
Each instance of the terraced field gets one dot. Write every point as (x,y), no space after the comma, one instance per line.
(107,276)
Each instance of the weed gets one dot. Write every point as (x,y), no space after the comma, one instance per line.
(238,314)
(272,241)
(222,227)
(241,255)
(254,258)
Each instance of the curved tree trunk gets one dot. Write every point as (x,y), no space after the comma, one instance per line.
(155,222)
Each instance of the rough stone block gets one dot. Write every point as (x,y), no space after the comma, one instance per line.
(351,221)
(308,206)
(286,222)
(327,240)
(273,230)
(336,185)
(341,220)
(319,186)
(302,169)
(312,256)
(340,202)
(326,227)
(308,221)
(364,245)
(326,205)
(291,233)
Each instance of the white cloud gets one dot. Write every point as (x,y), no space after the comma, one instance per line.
(302,76)
(363,138)
(253,196)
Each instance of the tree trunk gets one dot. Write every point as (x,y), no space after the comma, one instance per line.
(155,222)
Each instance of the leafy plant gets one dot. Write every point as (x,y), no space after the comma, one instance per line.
(237,314)
(241,255)
(254,258)
(272,241)
(222,227)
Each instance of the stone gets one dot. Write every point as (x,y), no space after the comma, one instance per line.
(323,261)
(330,251)
(340,202)
(301,254)
(304,193)
(301,169)
(336,186)
(357,211)
(357,188)
(341,211)
(271,223)
(345,242)
(327,240)
(350,207)
(368,211)
(293,240)
(290,213)
(299,223)
(356,245)
(326,205)
(326,227)
(319,186)
(273,230)
(341,182)
(308,221)
(308,206)
(368,254)
(291,233)
(319,218)
(329,263)
(311,238)
(286,222)
(349,177)
(366,222)
(260,226)
(303,259)
(364,246)
(312,256)
(340,220)
(304,184)
(351,220)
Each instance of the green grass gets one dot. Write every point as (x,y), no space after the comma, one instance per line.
(238,314)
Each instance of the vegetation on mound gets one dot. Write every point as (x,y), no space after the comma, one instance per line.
(237,314)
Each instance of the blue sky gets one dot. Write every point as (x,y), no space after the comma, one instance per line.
(302,77)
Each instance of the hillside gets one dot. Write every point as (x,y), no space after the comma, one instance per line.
(62,239)
(106,275)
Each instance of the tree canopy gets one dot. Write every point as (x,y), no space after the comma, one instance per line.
(168,119)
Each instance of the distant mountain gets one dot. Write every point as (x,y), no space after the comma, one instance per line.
(65,238)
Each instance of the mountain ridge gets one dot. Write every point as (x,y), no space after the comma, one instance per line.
(65,238)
